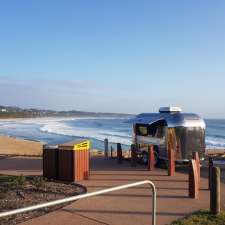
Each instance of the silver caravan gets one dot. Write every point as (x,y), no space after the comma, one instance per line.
(170,128)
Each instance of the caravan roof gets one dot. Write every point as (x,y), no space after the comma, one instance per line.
(172,119)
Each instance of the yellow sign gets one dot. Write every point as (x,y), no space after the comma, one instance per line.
(85,145)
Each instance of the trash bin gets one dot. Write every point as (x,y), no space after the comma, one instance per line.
(50,161)
(73,163)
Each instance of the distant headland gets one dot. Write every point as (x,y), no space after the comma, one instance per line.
(7,112)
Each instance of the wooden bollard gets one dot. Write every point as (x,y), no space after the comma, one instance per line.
(210,171)
(106,153)
(119,153)
(151,158)
(215,191)
(111,152)
(171,162)
(133,155)
(195,156)
(193,180)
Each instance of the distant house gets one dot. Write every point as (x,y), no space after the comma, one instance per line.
(3,110)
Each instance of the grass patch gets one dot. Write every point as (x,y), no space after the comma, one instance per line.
(202,218)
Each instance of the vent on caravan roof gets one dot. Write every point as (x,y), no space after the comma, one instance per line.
(170,109)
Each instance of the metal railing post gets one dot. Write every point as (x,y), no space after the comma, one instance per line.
(73,198)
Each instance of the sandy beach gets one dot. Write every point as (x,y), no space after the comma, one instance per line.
(21,147)
(14,146)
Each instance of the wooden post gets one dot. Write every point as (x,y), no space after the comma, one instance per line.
(151,158)
(106,142)
(171,162)
(119,153)
(215,191)
(210,171)
(193,180)
(195,156)
(111,150)
(133,155)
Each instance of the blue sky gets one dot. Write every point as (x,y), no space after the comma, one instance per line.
(113,56)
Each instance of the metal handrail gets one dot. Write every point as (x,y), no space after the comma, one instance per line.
(73,198)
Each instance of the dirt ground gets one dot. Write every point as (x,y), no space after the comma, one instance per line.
(19,191)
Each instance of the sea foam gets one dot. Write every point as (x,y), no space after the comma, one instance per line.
(117,130)
(62,128)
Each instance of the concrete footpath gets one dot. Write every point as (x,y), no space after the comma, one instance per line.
(130,206)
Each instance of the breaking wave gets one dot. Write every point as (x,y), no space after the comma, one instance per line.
(117,130)
(99,132)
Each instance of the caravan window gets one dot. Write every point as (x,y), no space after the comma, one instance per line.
(142,129)
(157,129)
(159,132)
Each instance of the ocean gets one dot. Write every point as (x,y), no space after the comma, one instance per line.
(117,130)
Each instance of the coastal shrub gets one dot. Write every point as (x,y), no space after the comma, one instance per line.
(17,182)
(39,182)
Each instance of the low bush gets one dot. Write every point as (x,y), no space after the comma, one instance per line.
(17,182)
(39,182)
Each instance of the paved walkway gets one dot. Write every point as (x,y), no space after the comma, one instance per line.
(130,206)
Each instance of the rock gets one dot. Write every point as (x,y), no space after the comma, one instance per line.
(20,194)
